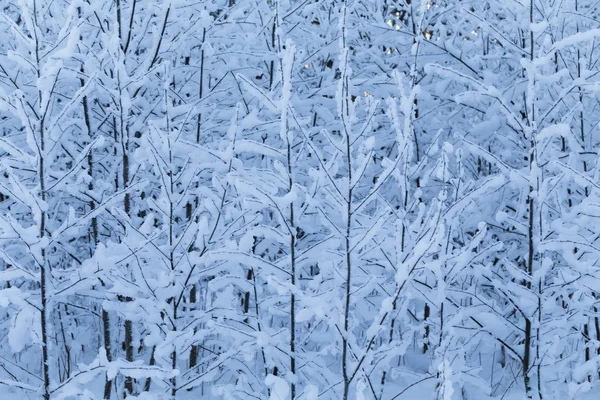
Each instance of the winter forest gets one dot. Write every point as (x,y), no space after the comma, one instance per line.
(299,199)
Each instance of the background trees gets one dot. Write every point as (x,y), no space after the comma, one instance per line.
(298,199)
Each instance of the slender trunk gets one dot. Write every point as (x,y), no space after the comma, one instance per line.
(286,84)
(43,316)
(174,354)
(42,232)
(527,354)
(293,272)
(348,248)
(201,86)
(293,319)
(582,137)
(426,313)
(172,249)
(272,66)
(347,300)
(530,256)
(44,327)
(526,357)
(597,327)
(128,354)
(108,349)
(194,350)
(151,363)
(345,113)
(128,344)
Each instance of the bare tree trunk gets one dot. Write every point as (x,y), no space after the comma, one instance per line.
(108,349)
(194,350)
(348,250)
(529,335)
(201,86)
(42,232)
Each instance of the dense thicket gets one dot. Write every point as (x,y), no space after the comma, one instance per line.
(299,199)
